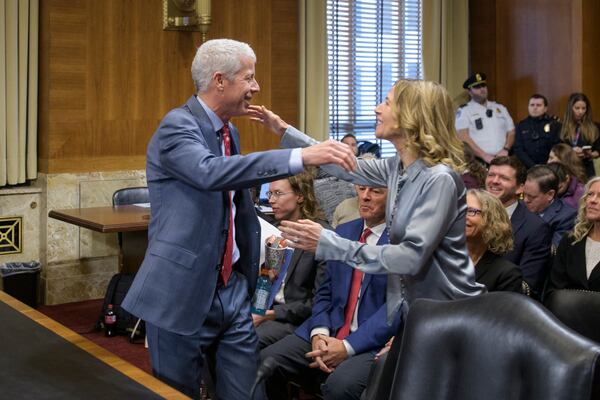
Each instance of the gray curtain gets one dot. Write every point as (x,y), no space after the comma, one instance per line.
(18,90)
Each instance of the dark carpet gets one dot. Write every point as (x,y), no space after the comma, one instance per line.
(82,316)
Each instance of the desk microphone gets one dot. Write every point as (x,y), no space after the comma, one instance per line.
(266,369)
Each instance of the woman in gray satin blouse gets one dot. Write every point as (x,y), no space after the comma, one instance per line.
(427,255)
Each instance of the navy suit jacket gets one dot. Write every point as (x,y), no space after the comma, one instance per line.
(531,252)
(561,218)
(332,296)
(188,179)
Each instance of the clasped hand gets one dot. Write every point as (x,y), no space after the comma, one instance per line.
(327,353)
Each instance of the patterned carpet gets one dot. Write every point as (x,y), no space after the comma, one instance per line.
(82,316)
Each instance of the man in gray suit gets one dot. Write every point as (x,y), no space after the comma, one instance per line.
(194,286)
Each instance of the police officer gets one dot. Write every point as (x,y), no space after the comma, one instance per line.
(536,134)
(484,125)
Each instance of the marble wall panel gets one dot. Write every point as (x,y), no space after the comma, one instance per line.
(80,261)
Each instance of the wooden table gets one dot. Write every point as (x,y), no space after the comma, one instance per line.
(130,220)
(41,358)
(106,219)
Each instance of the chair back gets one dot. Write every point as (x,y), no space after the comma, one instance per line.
(131,195)
(498,345)
(578,309)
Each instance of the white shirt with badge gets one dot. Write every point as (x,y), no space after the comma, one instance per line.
(488,129)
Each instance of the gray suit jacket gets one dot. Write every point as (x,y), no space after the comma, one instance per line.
(188,179)
(427,255)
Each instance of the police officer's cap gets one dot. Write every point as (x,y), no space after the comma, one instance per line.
(477,78)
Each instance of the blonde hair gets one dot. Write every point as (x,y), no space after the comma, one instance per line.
(497,229)
(303,185)
(582,224)
(425,112)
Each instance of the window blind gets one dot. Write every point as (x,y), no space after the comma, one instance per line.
(371,44)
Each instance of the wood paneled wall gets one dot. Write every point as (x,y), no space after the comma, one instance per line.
(108,73)
(536,46)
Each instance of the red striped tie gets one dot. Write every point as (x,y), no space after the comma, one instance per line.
(228,254)
(353,295)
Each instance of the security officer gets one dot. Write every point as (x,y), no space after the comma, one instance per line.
(537,133)
(484,125)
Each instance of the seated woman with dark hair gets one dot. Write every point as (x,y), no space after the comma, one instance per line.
(578,256)
(570,189)
(474,175)
(489,237)
(563,153)
(292,199)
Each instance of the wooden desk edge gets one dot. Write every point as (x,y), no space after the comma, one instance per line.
(77,221)
(98,352)
(84,223)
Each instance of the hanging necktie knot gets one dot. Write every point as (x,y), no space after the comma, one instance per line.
(352,302)
(226,134)
(365,235)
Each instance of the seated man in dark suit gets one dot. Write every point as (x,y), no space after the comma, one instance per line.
(292,198)
(337,344)
(541,198)
(531,234)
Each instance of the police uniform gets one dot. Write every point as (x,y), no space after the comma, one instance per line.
(487,124)
(534,138)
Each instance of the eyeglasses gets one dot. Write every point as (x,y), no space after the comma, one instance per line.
(277,194)
(471,212)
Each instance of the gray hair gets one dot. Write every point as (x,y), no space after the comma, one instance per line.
(221,55)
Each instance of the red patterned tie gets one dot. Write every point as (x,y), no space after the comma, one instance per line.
(228,255)
(353,295)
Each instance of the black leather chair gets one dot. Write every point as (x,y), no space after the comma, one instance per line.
(578,309)
(499,345)
(127,196)
(131,195)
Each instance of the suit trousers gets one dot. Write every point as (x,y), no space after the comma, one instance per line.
(270,332)
(227,339)
(346,382)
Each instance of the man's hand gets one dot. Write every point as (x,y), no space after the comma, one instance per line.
(268,118)
(303,234)
(259,319)
(329,152)
(319,348)
(335,354)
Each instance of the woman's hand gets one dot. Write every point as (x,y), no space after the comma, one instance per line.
(385,349)
(303,234)
(579,151)
(268,118)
